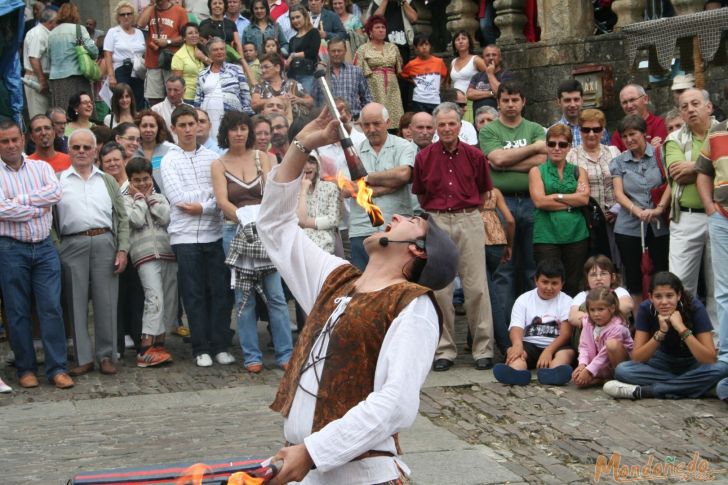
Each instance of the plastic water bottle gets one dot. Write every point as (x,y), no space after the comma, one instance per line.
(31,83)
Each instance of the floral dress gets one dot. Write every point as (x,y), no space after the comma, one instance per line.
(381,69)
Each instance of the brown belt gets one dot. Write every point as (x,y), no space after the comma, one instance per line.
(366,454)
(466,210)
(91,232)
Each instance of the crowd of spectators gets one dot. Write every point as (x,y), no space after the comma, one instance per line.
(139,193)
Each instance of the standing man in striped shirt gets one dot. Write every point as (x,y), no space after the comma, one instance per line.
(30,264)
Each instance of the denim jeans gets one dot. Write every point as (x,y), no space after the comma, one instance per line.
(488,29)
(278,317)
(493,255)
(32,272)
(359,256)
(516,276)
(672,377)
(123,74)
(718,227)
(204,280)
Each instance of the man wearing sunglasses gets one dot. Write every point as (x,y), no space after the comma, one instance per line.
(570,98)
(94,232)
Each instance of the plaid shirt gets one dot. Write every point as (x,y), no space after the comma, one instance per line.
(26,198)
(249,262)
(601,187)
(577,134)
(350,84)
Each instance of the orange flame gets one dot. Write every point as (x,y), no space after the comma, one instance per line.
(193,475)
(363,194)
(196,473)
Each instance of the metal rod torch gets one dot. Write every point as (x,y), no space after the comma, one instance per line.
(356,168)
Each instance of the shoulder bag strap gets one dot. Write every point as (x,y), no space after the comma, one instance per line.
(659,164)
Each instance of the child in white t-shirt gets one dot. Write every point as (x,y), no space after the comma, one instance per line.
(540,332)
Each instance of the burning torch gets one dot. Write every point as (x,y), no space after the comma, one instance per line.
(353,162)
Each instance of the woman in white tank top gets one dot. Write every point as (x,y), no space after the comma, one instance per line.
(464,65)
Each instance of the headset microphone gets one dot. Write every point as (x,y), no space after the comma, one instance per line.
(384,242)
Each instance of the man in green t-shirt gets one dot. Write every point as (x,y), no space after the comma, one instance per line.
(513,146)
(689,227)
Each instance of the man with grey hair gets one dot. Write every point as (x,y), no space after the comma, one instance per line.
(94,232)
(37,64)
(635,101)
(389,160)
(689,240)
(451,180)
(175,88)
(484,115)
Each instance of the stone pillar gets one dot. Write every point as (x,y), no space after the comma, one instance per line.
(566,19)
(685,7)
(510,19)
(628,12)
(463,15)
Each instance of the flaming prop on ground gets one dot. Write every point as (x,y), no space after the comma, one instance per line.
(363,194)
(197,473)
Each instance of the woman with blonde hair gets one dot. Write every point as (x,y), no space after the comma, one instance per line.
(303,47)
(123,45)
(65,77)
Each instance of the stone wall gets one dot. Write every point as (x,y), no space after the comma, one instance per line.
(540,67)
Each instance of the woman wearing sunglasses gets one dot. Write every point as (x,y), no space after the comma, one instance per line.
(558,189)
(594,157)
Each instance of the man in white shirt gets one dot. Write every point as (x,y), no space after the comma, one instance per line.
(195,232)
(233,13)
(175,89)
(94,232)
(37,64)
(345,431)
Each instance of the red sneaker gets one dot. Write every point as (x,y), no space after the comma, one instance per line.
(152,357)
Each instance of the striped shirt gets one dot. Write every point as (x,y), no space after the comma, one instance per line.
(187,178)
(26,198)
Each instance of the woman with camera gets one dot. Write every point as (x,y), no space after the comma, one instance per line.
(123,45)
(304,48)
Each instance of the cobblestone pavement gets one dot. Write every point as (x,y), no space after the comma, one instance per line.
(471,430)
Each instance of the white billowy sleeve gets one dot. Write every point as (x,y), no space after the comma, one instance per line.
(303,265)
(404,361)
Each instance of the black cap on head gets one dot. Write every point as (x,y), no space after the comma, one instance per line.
(442,257)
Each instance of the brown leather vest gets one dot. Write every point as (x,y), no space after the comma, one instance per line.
(354,345)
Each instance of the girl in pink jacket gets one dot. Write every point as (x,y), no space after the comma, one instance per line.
(605,339)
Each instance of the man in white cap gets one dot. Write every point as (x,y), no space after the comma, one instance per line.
(680,83)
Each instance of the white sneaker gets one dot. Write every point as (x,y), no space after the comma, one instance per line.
(128,342)
(224,358)
(203,360)
(4,388)
(620,390)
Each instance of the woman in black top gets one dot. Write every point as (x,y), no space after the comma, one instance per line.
(220,26)
(304,48)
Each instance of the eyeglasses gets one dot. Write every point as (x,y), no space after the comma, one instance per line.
(79,148)
(59,123)
(560,144)
(131,138)
(586,129)
(632,100)
(126,14)
(599,274)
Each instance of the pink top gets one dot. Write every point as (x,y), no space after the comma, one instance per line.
(593,352)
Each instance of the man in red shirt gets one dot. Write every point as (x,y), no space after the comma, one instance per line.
(164,20)
(43,135)
(450,180)
(634,101)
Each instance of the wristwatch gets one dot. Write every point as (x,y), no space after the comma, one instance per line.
(169,42)
(560,196)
